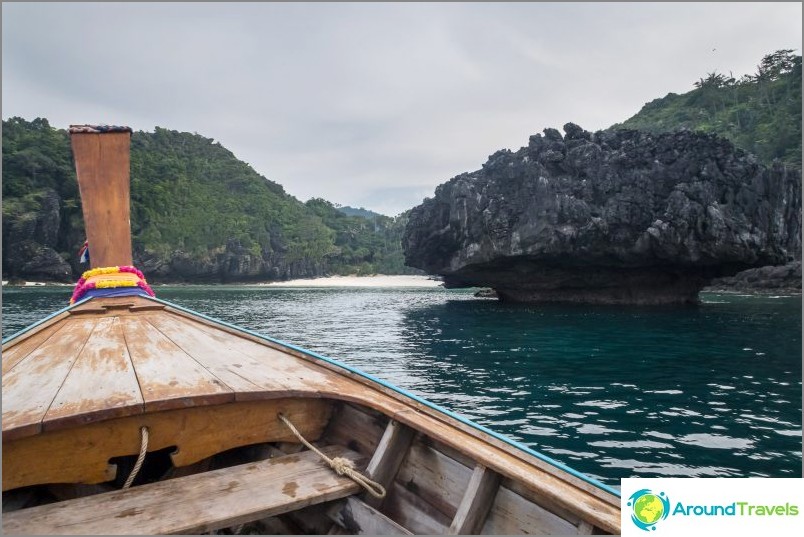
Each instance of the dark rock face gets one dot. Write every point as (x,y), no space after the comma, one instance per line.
(610,217)
(778,279)
(29,242)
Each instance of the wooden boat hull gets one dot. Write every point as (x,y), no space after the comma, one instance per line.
(205,388)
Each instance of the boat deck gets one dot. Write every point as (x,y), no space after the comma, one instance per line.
(94,374)
(113,358)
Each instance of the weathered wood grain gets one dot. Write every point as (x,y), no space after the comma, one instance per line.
(30,387)
(391,450)
(100,385)
(438,479)
(411,512)
(238,371)
(169,377)
(359,428)
(358,518)
(512,514)
(263,366)
(102,164)
(476,502)
(193,504)
(14,354)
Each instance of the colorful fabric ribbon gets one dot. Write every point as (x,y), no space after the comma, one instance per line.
(83,253)
(118,278)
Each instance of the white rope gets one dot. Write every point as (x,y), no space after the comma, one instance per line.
(140,458)
(340,465)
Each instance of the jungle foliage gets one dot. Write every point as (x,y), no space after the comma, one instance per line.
(190,194)
(760,113)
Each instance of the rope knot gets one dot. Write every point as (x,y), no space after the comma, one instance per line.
(342,466)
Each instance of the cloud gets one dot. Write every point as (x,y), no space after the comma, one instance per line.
(352,101)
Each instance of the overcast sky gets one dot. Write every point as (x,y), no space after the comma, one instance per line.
(371,104)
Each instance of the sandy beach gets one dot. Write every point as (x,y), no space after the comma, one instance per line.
(380,280)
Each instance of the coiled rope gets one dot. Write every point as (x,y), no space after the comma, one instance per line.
(140,458)
(340,465)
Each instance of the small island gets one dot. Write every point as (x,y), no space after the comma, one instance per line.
(615,217)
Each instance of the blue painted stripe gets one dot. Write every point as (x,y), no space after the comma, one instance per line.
(46,319)
(416,398)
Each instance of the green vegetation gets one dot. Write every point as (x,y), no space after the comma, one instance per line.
(37,158)
(759,113)
(190,194)
(351,211)
(364,244)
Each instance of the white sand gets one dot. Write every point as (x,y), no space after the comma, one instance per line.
(380,280)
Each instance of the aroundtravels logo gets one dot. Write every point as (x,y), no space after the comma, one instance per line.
(711,506)
(648,508)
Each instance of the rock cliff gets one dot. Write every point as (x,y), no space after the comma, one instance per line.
(30,240)
(610,217)
(764,280)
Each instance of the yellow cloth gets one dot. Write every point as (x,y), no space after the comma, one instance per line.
(116,277)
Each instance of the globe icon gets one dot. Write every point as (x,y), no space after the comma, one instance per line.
(648,509)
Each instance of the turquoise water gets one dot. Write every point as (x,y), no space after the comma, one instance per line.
(698,391)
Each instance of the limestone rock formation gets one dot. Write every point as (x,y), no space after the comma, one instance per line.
(772,279)
(610,217)
(30,241)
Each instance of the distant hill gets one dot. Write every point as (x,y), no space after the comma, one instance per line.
(760,113)
(198,214)
(361,212)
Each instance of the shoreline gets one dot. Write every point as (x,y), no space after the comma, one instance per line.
(382,281)
(377,280)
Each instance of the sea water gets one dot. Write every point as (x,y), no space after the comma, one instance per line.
(712,390)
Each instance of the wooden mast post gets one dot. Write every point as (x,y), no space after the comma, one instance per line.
(102,164)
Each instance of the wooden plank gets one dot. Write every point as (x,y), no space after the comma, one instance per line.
(169,377)
(476,502)
(512,514)
(215,355)
(81,455)
(543,501)
(101,384)
(29,388)
(357,518)
(390,452)
(262,365)
(18,352)
(194,504)
(436,478)
(102,165)
(358,428)
(413,513)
